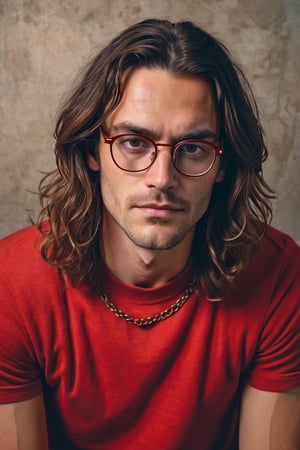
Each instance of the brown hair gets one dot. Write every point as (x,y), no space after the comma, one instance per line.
(240,205)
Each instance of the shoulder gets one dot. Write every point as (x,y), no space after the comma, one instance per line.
(31,290)
(280,243)
(21,263)
(273,275)
(28,238)
(283,256)
(272,286)
(277,257)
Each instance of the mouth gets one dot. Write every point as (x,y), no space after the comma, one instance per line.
(159,210)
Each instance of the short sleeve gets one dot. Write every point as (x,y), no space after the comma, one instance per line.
(20,377)
(276,364)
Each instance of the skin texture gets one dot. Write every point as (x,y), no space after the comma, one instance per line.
(270,420)
(149,220)
(149,217)
(23,425)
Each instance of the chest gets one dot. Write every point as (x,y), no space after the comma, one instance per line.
(100,369)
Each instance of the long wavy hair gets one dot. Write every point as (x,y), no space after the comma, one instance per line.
(239,209)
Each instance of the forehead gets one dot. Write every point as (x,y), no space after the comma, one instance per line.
(160,100)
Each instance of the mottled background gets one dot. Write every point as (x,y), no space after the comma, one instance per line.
(43,43)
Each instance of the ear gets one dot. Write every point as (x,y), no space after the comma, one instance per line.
(220,176)
(92,156)
(93,162)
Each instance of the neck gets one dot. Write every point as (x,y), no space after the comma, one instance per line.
(143,267)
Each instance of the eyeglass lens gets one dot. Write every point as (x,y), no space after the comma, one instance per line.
(136,153)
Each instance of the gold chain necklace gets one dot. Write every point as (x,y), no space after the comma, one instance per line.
(152,320)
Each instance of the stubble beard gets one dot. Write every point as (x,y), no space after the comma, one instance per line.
(154,241)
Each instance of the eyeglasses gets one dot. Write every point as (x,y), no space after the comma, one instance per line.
(136,153)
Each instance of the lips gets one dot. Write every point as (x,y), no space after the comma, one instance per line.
(159,210)
(160,206)
(165,206)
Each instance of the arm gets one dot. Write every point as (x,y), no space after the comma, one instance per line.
(23,425)
(270,420)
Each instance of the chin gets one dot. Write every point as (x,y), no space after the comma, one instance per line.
(157,242)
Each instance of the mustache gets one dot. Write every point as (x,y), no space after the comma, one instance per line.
(159,197)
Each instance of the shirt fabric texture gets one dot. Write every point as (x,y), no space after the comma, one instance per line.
(110,385)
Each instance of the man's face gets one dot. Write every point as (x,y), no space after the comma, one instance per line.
(157,209)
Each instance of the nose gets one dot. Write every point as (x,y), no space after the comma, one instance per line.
(162,174)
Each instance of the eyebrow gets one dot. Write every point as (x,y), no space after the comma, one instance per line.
(128,127)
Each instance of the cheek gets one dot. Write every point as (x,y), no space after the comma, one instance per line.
(200,197)
(107,186)
(108,175)
(113,191)
(202,203)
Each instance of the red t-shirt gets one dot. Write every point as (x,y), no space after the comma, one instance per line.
(177,386)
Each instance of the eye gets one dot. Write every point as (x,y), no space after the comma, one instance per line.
(190,148)
(133,142)
(196,149)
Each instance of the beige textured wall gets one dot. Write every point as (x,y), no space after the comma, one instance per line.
(44,42)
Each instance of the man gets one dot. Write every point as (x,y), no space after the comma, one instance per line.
(153,307)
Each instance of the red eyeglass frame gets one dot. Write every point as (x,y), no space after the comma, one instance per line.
(111,139)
